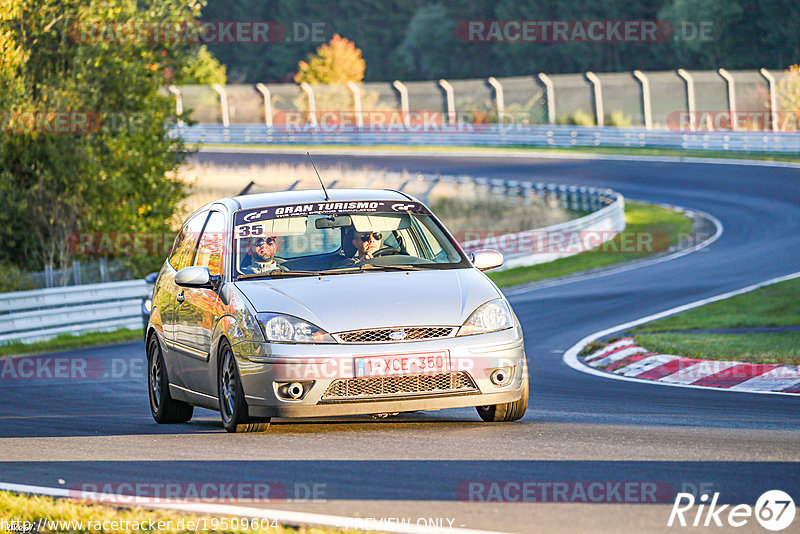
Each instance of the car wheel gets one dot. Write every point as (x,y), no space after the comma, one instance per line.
(232,406)
(510,411)
(163,407)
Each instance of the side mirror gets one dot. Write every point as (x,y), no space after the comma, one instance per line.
(487,259)
(196,277)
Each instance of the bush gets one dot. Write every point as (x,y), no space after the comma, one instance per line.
(618,118)
(576,118)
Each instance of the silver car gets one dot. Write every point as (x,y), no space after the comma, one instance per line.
(300,304)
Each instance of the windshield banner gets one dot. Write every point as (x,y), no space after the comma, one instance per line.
(327,208)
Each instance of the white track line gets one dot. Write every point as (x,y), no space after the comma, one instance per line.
(571,355)
(282,516)
(628,266)
(367,151)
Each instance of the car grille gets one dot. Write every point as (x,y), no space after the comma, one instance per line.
(393,386)
(382,335)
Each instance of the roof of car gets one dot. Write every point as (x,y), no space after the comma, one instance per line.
(316,195)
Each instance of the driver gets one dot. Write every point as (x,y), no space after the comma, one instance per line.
(262,256)
(362,246)
(366,244)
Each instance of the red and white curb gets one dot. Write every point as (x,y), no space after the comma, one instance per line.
(762,379)
(625,358)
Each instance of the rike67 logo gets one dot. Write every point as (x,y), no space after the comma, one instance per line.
(774,510)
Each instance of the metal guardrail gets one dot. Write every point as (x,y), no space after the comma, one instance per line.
(492,135)
(41,314)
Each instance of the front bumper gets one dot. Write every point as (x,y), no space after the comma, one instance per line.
(266,367)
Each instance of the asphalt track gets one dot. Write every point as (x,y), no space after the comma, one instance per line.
(578,429)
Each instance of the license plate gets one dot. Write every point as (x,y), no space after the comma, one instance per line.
(403,364)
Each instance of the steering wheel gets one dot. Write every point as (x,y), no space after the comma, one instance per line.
(386,251)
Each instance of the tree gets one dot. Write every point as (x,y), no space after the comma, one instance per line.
(110,167)
(338,61)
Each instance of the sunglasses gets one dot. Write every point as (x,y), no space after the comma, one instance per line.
(268,240)
(377,236)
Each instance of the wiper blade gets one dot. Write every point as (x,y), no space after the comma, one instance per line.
(372,267)
(277,273)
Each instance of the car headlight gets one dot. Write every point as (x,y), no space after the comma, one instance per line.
(147,305)
(287,329)
(490,317)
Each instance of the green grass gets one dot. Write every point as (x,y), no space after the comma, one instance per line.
(15,507)
(774,305)
(69,341)
(666,225)
(625,151)
(779,347)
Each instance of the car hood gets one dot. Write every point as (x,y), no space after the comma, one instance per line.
(338,303)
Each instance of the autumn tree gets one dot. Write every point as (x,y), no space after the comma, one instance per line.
(338,61)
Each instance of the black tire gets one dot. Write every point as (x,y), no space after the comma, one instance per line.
(163,407)
(510,411)
(232,406)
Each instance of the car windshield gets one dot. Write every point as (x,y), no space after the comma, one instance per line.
(323,238)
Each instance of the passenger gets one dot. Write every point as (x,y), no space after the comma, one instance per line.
(261,256)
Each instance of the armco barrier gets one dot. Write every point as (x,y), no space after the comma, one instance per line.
(45,313)
(40,314)
(493,135)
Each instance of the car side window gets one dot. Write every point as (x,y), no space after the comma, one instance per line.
(186,242)
(212,244)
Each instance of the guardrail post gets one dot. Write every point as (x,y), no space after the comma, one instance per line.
(403,91)
(450,101)
(690,105)
(550,96)
(356,103)
(498,98)
(598,97)
(773,102)
(731,96)
(76,272)
(312,105)
(178,102)
(646,109)
(223,102)
(264,90)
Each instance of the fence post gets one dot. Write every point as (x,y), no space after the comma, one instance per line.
(450,100)
(403,91)
(312,105)
(498,98)
(264,90)
(356,103)
(598,97)
(731,96)
(773,101)
(550,95)
(223,102)
(178,102)
(76,272)
(48,275)
(646,108)
(103,270)
(690,106)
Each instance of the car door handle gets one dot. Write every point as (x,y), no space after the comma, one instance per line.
(181,298)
